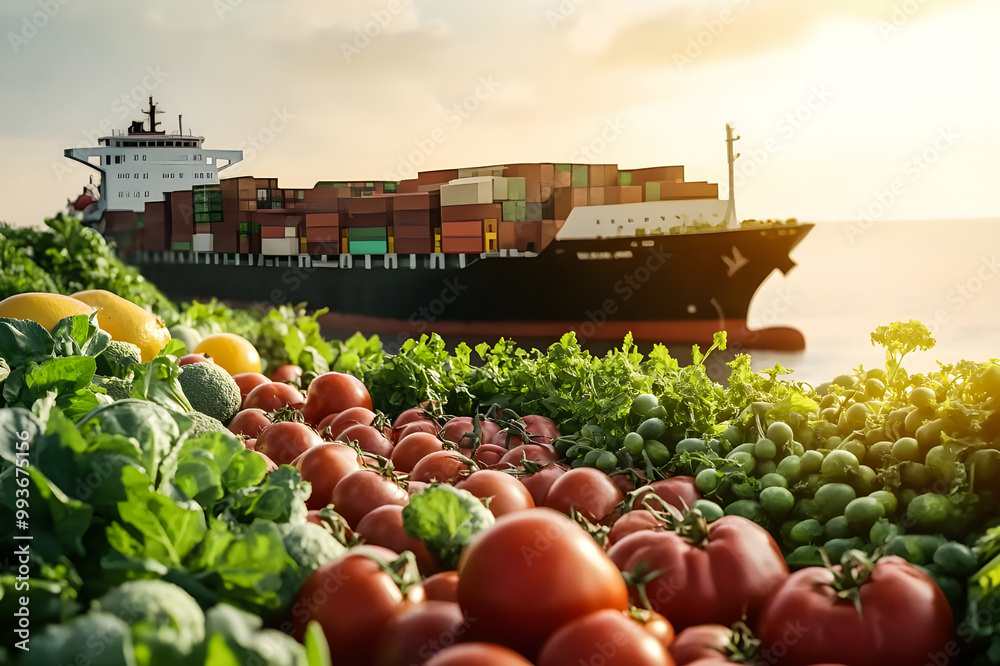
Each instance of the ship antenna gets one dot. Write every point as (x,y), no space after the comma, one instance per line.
(151,112)
(180,124)
(730,220)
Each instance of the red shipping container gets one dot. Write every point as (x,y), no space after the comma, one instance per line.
(323,234)
(202,228)
(411,232)
(436,177)
(507,235)
(453,245)
(272,232)
(182,207)
(380,204)
(627,194)
(533,192)
(547,174)
(322,248)
(322,220)
(226,244)
(580,197)
(417,218)
(465,212)
(596,196)
(655,174)
(407,186)
(563,200)
(413,201)
(467,229)
(563,179)
(413,246)
(365,220)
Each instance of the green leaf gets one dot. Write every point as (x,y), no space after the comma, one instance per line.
(317,647)
(23,341)
(63,375)
(95,639)
(445,519)
(55,521)
(17,425)
(238,638)
(79,335)
(153,428)
(280,499)
(157,381)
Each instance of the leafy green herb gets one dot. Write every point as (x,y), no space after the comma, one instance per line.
(445,519)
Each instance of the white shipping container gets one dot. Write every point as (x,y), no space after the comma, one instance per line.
(499,189)
(291,232)
(203,243)
(279,246)
(471,191)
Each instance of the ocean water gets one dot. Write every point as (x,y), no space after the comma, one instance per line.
(852,277)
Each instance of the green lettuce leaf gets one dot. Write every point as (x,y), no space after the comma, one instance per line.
(445,519)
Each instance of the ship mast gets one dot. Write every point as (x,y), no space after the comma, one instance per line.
(731,221)
(151,112)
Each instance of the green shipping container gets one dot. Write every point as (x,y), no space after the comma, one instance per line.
(520,208)
(580,175)
(652,191)
(563,167)
(389,188)
(368,247)
(181,246)
(624,178)
(202,206)
(367,234)
(509,211)
(515,188)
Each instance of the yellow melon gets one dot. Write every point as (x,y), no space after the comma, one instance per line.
(46,309)
(126,321)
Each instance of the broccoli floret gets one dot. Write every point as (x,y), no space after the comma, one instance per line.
(162,617)
(73,642)
(211,390)
(117,388)
(117,358)
(203,423)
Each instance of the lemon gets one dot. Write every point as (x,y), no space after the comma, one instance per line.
(46,309)
(234,353)
(126,321)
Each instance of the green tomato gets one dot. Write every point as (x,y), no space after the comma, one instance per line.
(833,498)
(956,559)
(644,403)
(707,481)
(780,433)
(845,381)
(709,509)
(765,467)
(862,512)
(745,461)
(883,531)
(658,452)
(590,460)
(805,508)
(983,467)
(887,500)
(773,479)
(798,449)
(765,449)
(929,510)
(806,532)
(837,528)
(653,428)
(856,415)
(748,509)
(732,434)
(864,480)
(811,461)
(790,467)
(607,461)
(914,475)
(922,397)
(839,465)
(906,449)
(804,556)
(835,548)
(915,548)
(743,490)
(856,447)
(829,400)
(777,501)
(691,444)
(929,434)
(745,447)
(874,388)
(942,462)
(633,443)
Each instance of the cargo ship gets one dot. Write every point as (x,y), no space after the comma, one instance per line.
(529,250)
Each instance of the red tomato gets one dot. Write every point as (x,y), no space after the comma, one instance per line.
(477,654)
(251,444)
(248,381)
(409,416)
(274,396)
(715,575)
(541,429)
(416,426)
(488,455)
(341,421)
(655,625)
(442,586)
(625,482)
(369,439)
(632,522)
(677,491)
(420,632)
(539,555)
(704,641)
(904,619)
(539,483)
(505,493)
(324,465)
(384,527)
(607,637)
(288,373)
(410,449)
(334,392)
(188,359)
(354,600)
(459,431)
(589,491)
(440,466)
(249,422)
(540,454)
(270,463)
(285,441)
(363,491)
(508,438)
(414,487)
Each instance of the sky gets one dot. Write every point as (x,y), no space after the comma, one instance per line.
(849,110)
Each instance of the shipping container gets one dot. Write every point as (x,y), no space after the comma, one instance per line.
(516,188)
(453,245)
(323,234)
(411,218)
(580,172)
(368,246)
(322,248)
(322,220)
(471,212)
(362,220)
(202,243)
(415,201)
(367,234)
(629,194)
(279,246)
(468,229)
(413,245)
(478,191)
(643,176)
(411,231)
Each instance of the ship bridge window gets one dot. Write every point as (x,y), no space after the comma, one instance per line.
(135,158)
(119,159)
(118,144)
(159,144)
(170,143)
(143,158)
(107,159)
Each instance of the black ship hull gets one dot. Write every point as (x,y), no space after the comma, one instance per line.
(671,288)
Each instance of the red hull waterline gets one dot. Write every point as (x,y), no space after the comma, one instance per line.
(739,335)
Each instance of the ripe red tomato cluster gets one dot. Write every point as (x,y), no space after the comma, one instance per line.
(536,587)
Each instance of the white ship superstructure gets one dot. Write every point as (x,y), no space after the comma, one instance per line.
(143,164)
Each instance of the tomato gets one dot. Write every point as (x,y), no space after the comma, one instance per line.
(459,431)
(341,421)
(369,439)
(417,426)
(248,381)
(420,632)
(274,396)
(440,466)
(250,444)
(540,454)
(285,441)
(655,625)
(477,654)
(904,619)
(606,636)
(324,466)
(539,483)
(508,438)
(334,392)
(353,599)
(625,482)
(288,373)
(488,455)
(271,466)
(414,487)
(704,641)
(679,492)
(249,422)
(384,527)
(442,586)
(632,522)
(410,449)
(540,429)
(541,556)
(188,359)
(504,493)
(363,491)
(589,491)
(713,574)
